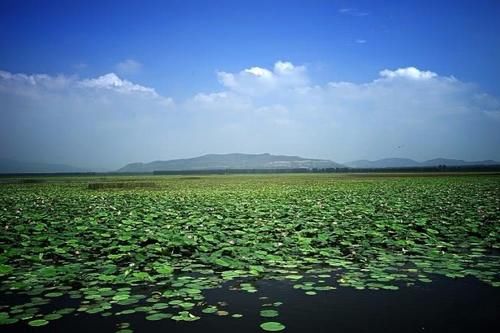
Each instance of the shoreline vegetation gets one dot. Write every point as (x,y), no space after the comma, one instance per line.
(438,170)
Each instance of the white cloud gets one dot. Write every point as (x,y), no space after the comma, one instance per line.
(259,72)
(258,80)
(128,66)
(410,106)
(227,79)
(361,41)
(276,109)
(111,81)
(284,68)
(39,80)
(104,121)
(408,72)
(61,85)
(219,102)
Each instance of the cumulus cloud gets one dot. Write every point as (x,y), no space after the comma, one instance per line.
(258,80)
(128,66)
(408,73)
(111,81)
(93,122)
(432,115)
(276,109)
(20,83)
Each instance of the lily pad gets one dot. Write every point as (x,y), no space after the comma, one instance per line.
(272,326)
(38,322)
(158,316)
(269,313)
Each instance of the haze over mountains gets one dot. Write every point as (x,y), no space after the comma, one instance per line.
(13,166)
(238,161)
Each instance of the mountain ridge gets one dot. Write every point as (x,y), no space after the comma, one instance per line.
(237,161)
(231,161)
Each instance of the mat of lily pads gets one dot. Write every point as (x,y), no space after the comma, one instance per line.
(123,250)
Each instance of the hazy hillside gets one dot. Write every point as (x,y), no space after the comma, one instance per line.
(231,161)
(406,162)
(237,161)
(13,166)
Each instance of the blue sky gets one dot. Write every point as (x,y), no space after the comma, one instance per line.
(179,49)
(182,43)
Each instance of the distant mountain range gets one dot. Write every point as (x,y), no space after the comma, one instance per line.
(13,166)
(237,161)
(406,162)
(231,161)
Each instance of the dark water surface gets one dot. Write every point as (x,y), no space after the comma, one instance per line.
(445,305)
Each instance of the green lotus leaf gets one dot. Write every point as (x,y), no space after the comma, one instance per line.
(272,326)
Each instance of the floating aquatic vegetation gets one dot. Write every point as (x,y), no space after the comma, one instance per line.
(154,251)
(268,313)
(272,326)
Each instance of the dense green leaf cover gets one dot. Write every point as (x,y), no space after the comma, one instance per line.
(186,234)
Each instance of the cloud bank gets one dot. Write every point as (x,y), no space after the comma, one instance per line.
(108,121)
